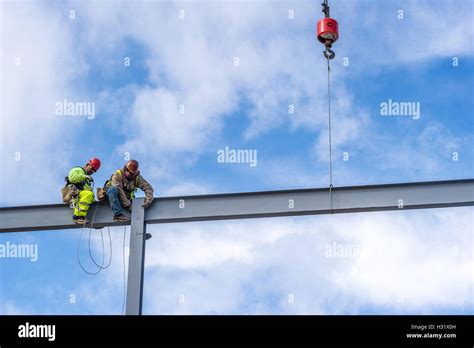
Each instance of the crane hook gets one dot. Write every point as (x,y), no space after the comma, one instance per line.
(328,53)
(327,31)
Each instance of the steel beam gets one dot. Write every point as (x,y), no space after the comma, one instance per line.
(349,199)
(136,260)
(51,217)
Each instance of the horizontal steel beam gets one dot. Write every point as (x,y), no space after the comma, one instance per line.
(436,194)
(50,217)
(349,199)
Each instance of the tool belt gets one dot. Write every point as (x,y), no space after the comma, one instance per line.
(69,193)
(101,196)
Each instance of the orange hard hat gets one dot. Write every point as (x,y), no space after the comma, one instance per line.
(132,166)
(94,163)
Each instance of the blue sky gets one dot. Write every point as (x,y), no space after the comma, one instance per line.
(243,266)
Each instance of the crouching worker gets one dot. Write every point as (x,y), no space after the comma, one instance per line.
(78,190)
(121,188)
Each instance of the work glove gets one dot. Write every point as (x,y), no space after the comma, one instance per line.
(89,178)
(146,205)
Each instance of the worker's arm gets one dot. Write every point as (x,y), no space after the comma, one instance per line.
(76,175)
(147,188)
(118,183)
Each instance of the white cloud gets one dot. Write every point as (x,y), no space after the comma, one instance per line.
(425,32)
(410,264)
(41,42)
(289,172)
(425,153)
(187,188)
(159,123)
(349,125)
(203,247)
(198,72)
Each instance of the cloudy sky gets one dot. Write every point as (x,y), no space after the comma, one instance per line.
(172,83)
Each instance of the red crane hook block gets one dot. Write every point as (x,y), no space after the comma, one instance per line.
(327,30)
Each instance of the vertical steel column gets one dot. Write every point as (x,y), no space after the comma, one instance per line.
(136,260)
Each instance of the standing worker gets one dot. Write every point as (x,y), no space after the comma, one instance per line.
(121,188)
(78,189)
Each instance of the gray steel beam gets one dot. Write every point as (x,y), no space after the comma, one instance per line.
(349,199)
(136,260)
(51,217)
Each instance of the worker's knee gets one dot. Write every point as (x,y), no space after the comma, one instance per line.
(86,196)
(112,190)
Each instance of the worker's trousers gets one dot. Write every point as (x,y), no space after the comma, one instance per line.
(83,202)
(114,200)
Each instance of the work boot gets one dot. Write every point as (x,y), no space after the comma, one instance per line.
(121,217)
(80,220)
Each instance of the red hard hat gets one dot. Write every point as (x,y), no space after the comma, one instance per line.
(132,166)
(94,163)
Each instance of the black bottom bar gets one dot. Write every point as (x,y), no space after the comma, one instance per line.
(290,331)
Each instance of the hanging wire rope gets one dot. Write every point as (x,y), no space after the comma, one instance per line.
(329,138)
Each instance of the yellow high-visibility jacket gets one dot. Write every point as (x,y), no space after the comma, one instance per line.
(77,176)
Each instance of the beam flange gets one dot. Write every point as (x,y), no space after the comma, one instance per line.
(349,199)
